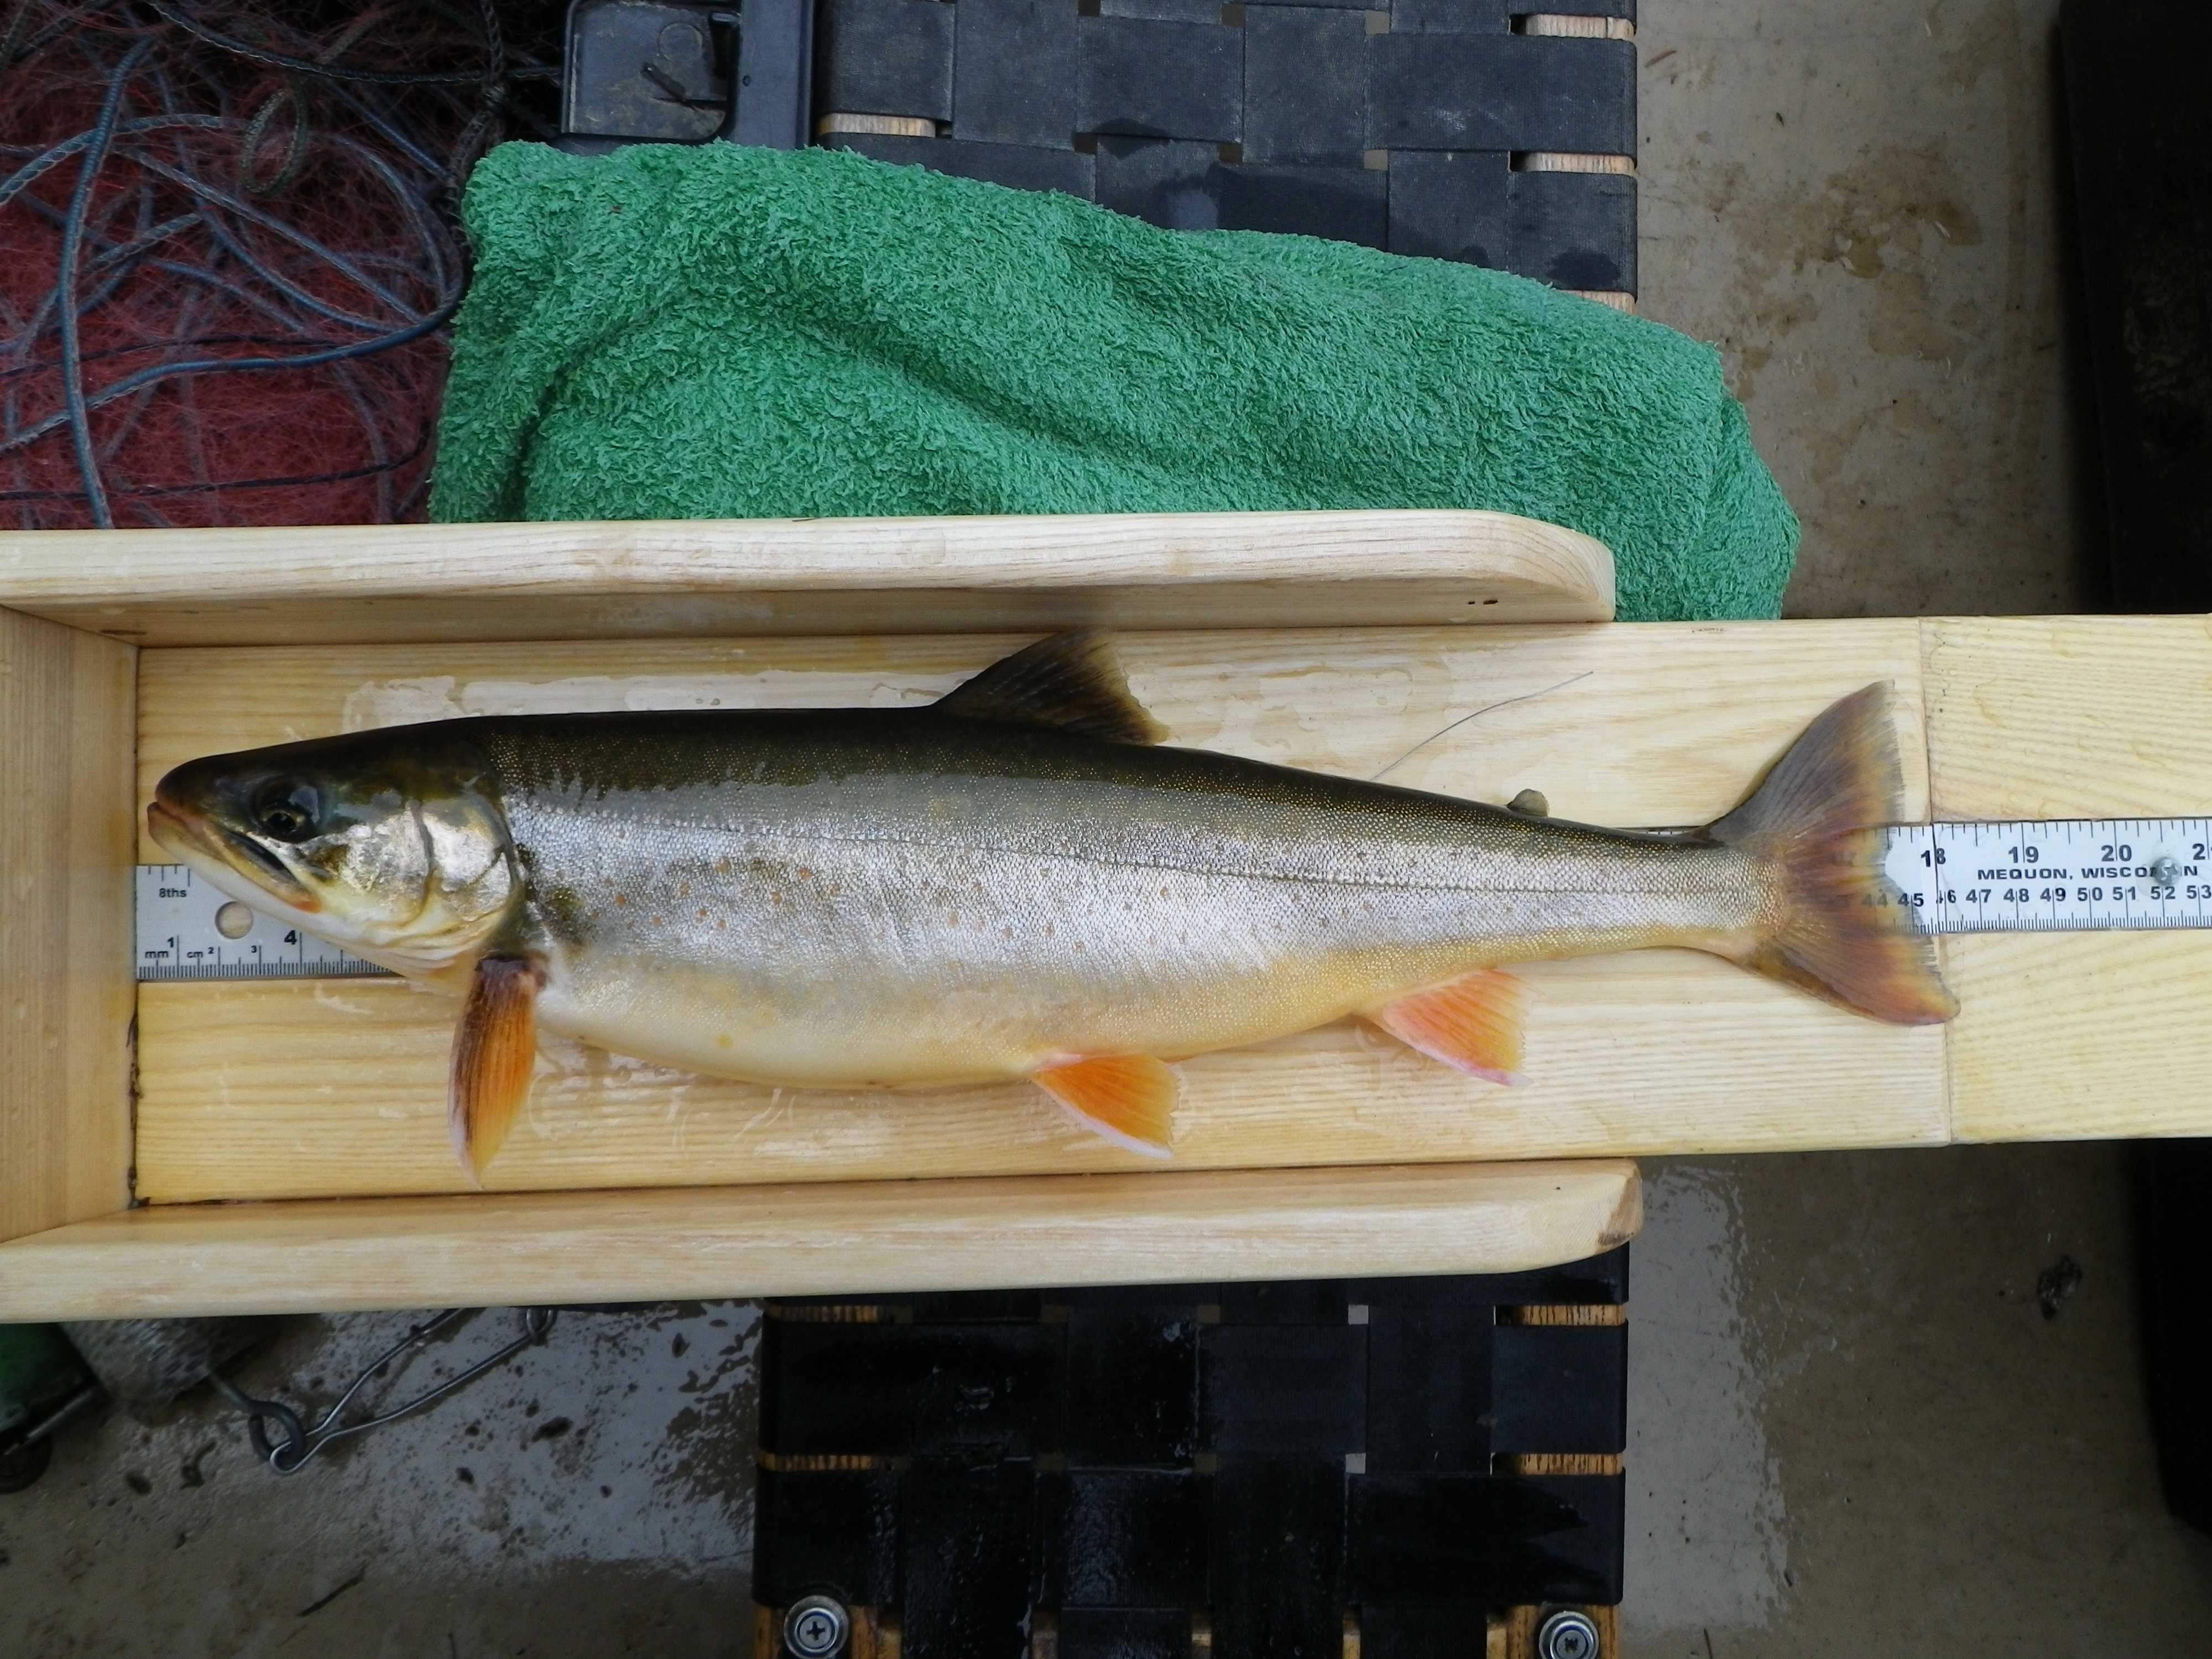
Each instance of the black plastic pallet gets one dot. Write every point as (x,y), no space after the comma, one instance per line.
(1129,1469)
(1409,127)
(1432,127)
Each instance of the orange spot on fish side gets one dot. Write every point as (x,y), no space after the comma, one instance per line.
(684,890)
(703,913)
(622,898)
(721,866)
(725,1040)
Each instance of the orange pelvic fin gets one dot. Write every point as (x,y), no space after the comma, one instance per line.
(1473,1024)
(495,1051)
(1125,1098)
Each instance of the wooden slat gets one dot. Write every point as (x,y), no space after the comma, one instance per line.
(1543,1463)
(2081,1036)
(290,1090)
(806,576)
(2076,1036)
(65,991)
(819,1240)
(2070,717)
(1637,724)
(295,1088)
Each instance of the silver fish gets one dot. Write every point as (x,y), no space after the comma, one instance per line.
(1015,882)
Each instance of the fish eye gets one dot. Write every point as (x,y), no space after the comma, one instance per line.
(285,809)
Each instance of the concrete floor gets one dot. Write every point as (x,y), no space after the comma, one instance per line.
(1853,1431)
(1858,201)
(593,1498)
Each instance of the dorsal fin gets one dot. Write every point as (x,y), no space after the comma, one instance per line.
(1070,681)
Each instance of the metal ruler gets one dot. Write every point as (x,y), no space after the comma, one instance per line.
(2057,876)
(2053,876)
(187,930)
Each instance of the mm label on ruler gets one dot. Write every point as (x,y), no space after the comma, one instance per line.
(188,930)
(2054,876)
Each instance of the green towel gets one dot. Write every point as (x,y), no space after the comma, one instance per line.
(677,332)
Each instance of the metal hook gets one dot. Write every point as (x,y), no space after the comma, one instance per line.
(294,1443)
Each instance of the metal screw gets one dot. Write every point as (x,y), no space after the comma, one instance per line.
(1567,1634)
(815,1627)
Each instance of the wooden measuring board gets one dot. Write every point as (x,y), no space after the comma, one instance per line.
(1327,1153)
(264,1089)
(99,629)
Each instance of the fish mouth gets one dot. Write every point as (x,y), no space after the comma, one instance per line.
(217,852)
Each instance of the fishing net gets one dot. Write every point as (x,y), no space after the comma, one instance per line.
(228,250)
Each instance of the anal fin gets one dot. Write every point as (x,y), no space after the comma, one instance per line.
(1127,1099)
(1473,1024)
(495,1053)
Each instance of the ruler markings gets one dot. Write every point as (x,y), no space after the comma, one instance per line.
(2078,875)
(2021,877)
(179,936)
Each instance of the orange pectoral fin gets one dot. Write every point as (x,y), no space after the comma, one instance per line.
(495,1051)
(1472,1023)
(1125,1098)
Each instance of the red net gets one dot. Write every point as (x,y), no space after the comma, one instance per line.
(228,255)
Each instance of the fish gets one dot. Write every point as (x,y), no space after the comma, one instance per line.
(1020,880)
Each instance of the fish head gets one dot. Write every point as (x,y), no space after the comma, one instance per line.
(395,848)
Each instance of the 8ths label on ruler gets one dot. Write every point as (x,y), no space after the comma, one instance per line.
(2054,876)
(187,930)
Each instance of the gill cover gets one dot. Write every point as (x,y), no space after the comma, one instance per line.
(391,843)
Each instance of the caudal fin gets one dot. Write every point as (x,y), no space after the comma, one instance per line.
(1842,932)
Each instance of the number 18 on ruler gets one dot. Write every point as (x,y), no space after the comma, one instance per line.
(2054,876)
